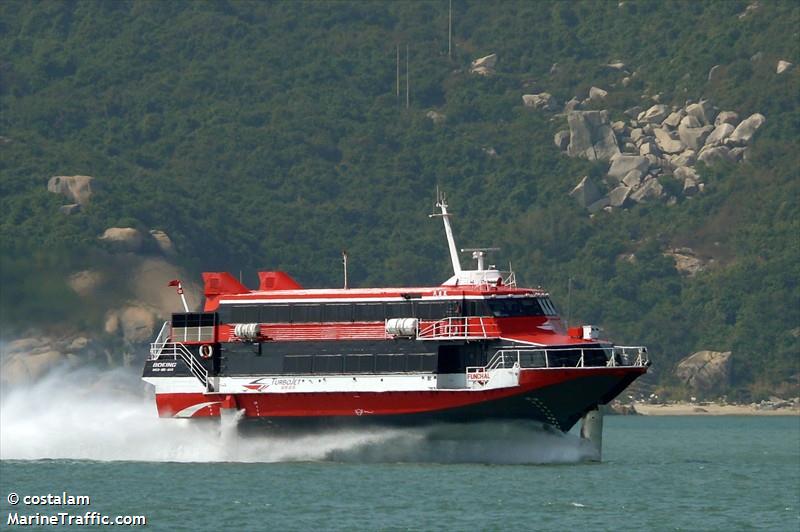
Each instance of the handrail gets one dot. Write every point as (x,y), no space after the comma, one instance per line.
(177,350)
(462,328)
(615,356)
(160,341)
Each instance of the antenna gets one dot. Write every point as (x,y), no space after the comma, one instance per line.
(344,263)
(441,202)
(479,254)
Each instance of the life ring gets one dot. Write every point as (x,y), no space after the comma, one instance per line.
(206,351)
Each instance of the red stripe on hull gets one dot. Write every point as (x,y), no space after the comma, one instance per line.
(324,404)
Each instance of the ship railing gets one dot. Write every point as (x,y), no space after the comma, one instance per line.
(162,350)
(505,280)
(175,351)
(458,328)
(569,356)
(629,355)
(160,341)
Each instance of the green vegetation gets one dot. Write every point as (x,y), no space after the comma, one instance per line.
(268,136)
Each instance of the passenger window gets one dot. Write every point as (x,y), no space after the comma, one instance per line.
(339,312)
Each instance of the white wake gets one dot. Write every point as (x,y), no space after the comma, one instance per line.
(111,416)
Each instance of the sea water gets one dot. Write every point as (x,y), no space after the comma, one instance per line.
(97,435)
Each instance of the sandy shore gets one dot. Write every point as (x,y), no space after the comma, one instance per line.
(710,409)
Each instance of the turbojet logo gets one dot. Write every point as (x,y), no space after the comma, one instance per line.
(259,385)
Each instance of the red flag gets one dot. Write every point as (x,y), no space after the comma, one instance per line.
(174,282)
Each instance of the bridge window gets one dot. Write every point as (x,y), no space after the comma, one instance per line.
(515,307)
(548,306)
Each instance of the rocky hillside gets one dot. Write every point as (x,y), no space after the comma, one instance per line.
(643,153)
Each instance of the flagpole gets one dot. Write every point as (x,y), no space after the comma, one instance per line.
(179,287)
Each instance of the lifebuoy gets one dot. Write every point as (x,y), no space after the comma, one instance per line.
(206,351)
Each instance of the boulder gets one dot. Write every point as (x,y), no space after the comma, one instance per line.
(690,179)
(666,142)
(637,135)
(686,261)
(783,66)
(674,119)
(618,127)
(632,179)
(616,65)
(572,105)
(436,117)
(561,139)
(737,154)
(598,205)
(687,158)
(744,132)
(622,164)
(751,8)
(650,189)
(23,368)
(704,111)
(719,135)
(626,81)
(123,238)
(694,137)
(484,66)
(684,172)
(27,359)
(586,192)
(138,324)
(690,121)
(618,196)
(164,242)
(543,100)
(597,94)
(705,371)
(713,73)
(111,325)
(85,283)
(655,115)
(655,163)
(727,117)
(148,280)
(591,136)
(690,187)
(714,155)
(72,208)
(76,188)
(649,148)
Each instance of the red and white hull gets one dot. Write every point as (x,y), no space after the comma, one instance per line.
(557,396)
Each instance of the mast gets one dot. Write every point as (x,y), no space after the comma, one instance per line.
(441,202)
(344,263)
